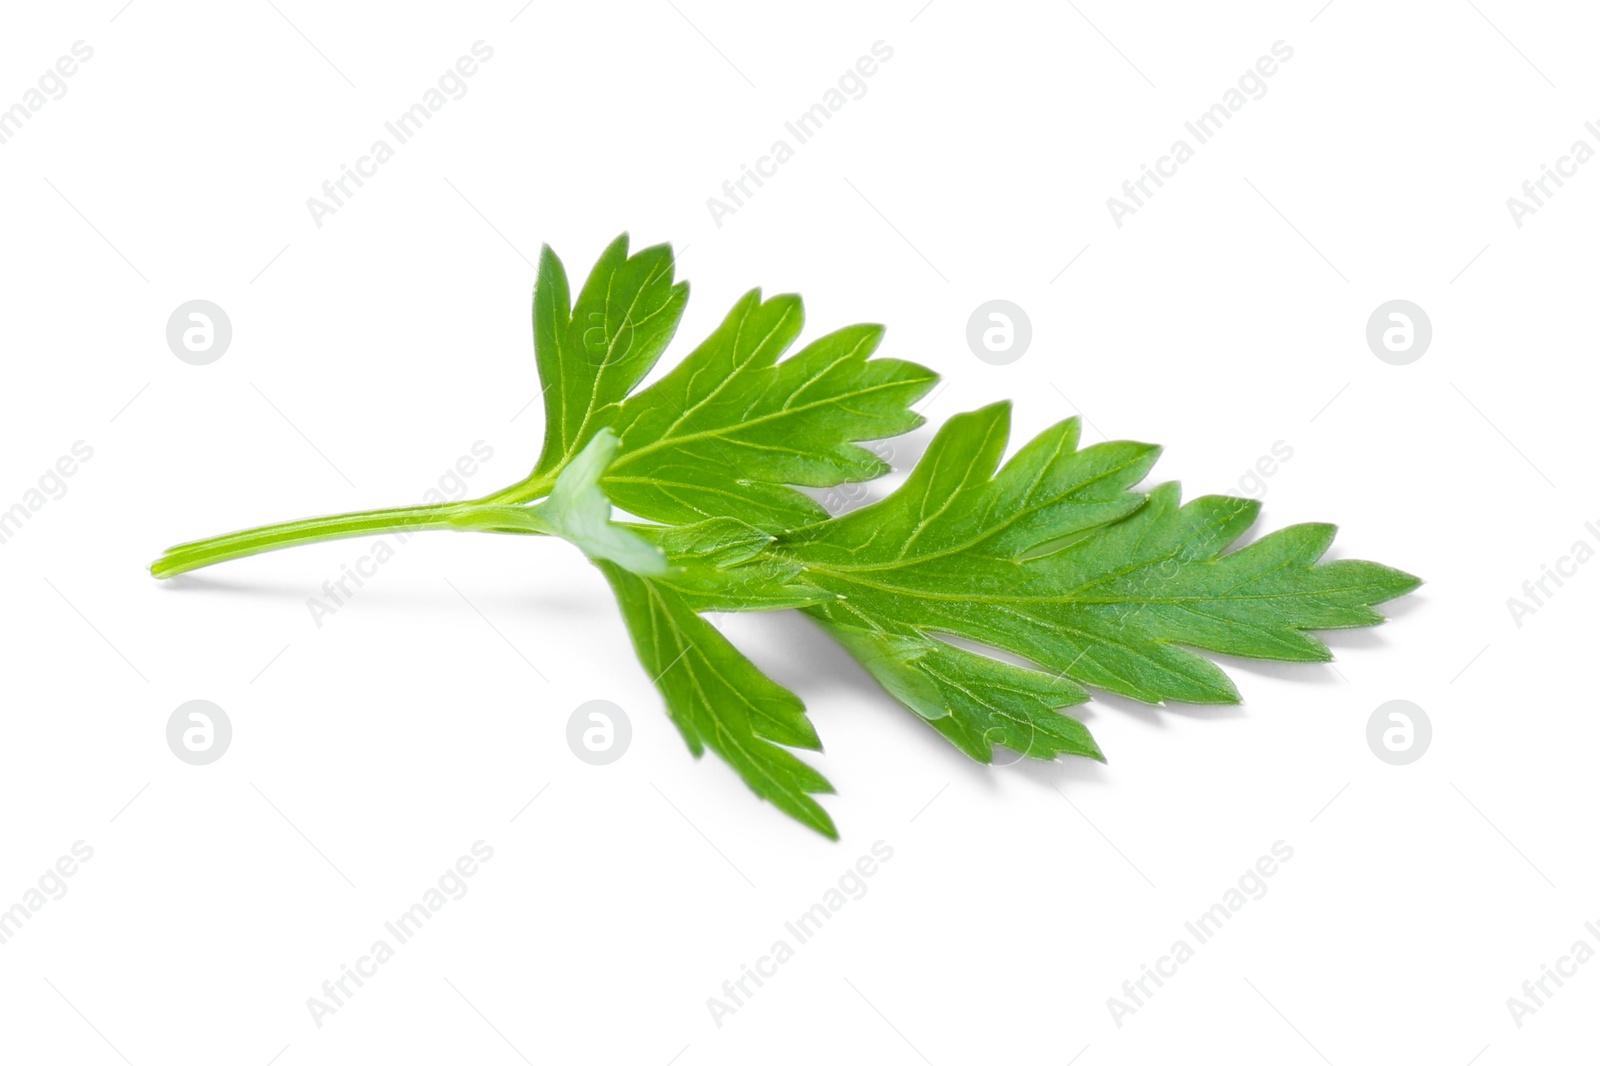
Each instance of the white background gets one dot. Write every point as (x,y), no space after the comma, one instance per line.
(369,354)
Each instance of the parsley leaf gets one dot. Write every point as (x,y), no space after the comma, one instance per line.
(719,699)
(1054,557)
(591,355)
(730,430)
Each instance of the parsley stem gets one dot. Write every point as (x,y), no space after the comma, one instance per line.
(199,553)
(457,515)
